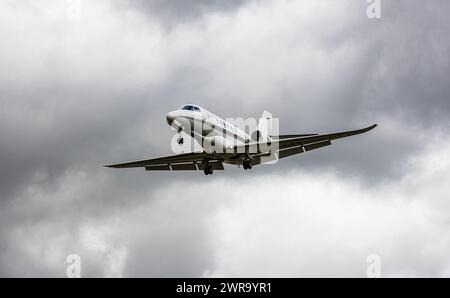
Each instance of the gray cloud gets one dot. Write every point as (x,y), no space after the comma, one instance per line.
(75,93)
(171,13)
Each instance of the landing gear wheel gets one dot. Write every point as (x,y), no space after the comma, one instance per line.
(208,170)
(247,164)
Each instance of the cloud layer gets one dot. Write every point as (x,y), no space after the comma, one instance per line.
(77,91)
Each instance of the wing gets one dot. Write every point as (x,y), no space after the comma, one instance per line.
(284,146)
(180,162)
(282,137)
(290,145)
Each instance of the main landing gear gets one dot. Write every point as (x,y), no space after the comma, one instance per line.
(247,163)
(208,169)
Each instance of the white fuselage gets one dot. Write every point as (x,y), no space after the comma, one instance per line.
(208,128)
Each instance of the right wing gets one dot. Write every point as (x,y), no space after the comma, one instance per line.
(282,137)
(315,139)
(180,162)
(294,144)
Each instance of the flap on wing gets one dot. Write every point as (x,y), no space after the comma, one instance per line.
(189,166)
(317,145)
(282,137)
(157,168)
(185,166)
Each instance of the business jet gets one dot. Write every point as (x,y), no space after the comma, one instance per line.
(225,143)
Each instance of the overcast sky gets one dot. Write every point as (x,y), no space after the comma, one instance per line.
(81,87)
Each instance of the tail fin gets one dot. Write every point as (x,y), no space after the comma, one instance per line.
(264,130)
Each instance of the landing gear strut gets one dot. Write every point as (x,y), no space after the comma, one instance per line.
(247,163)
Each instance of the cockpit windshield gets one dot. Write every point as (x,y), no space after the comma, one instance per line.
(191,108)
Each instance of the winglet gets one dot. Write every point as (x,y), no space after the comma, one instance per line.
(371,127)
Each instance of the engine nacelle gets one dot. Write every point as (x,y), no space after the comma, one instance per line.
(257,136)
(217,144)
(264,130)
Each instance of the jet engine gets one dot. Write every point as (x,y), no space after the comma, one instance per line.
(257,136)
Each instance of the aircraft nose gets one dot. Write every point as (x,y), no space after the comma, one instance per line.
(170,117)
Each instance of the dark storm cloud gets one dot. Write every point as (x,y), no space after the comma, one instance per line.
(413,62)
(75,93)
(396,77)
(173,12)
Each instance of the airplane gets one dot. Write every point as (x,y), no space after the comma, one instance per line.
(223,142)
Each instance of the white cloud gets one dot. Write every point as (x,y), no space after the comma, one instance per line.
(95,240)
(301,224)
(293,224)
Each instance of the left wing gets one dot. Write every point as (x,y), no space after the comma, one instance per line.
(180,162)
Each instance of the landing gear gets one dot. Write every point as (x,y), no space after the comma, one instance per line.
(208,169)
(247,163)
